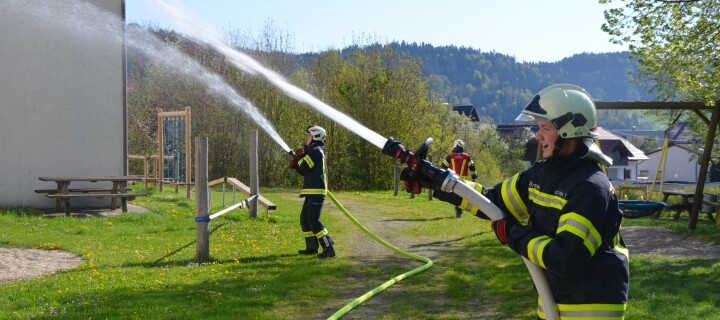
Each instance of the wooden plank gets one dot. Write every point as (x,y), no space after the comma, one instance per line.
(262,200)
(84,190)
(90,178)
(216,182)
(651,105)
(172,114)
(99,195)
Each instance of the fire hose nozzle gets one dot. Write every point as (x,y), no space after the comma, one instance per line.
(396,150)
(292,153)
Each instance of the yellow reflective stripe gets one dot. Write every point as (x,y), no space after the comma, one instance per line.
(308,234)
(535,248)
(462,168)
(446,163)
(546,199)
(307,160)
(324,163)
(321,234)
(466,205)
(511,199)
(619,247)
(540,311)
(591,311)
(581,227)
(313,191)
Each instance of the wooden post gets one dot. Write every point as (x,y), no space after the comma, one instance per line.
(146,172)
(704,165)
(160,150)
(188,148)
(223,193)
(202,206)
(396,178)
(253,155)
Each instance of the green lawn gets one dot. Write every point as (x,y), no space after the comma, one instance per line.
(141,265)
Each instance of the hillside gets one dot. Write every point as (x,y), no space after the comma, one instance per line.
(499,86)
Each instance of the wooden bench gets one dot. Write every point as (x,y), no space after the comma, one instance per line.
(67,196)
(63,193)
(83,190)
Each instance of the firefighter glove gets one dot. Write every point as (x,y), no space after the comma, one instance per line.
(410,180)
(502,229)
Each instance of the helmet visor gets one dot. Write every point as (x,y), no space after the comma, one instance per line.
(534,108)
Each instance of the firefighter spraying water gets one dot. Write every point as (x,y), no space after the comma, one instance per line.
(561,214)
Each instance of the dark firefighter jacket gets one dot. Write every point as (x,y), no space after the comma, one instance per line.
(312,167)
(570,228)
(572,232)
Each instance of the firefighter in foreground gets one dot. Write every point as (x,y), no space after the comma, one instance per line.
(310,163)
(459,161)
(562,213)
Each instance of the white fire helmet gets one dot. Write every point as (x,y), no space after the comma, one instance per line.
(570,109)
(317,132)
(459,143)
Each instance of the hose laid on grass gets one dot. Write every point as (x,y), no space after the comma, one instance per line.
(369,294)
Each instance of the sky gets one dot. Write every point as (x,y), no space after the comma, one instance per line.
(529,30)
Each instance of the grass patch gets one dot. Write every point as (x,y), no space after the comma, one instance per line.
(141,265)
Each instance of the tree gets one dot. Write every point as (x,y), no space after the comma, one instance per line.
(675,43)
(676,46)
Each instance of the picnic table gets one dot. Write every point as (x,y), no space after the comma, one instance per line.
(62,193)
(684,205)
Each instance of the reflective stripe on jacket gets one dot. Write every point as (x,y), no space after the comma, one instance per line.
(313,168)
(572,232)
(461,163)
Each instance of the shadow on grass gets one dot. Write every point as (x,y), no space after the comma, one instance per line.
(417,219)
(161,259)
(446,242)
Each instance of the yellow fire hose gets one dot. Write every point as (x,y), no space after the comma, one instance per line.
(369,294)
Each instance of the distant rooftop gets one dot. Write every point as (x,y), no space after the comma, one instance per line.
(468,111)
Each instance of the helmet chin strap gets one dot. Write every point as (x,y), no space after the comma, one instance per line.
(558,145)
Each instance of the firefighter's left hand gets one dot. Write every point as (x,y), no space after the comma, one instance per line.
(502,229)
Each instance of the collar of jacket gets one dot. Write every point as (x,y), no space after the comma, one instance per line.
(315,144)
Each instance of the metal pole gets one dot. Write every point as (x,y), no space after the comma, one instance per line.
(254,188)
(202,206)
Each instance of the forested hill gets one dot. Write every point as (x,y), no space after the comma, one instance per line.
(499,86)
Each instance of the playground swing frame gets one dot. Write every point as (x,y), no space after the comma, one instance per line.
(696,107)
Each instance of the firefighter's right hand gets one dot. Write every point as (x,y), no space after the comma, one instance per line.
(414,181)
(292,164)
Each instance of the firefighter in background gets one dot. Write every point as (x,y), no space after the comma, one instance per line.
(310,163)
(460,162)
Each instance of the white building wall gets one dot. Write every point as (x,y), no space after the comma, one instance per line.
(62,98)
(679,166)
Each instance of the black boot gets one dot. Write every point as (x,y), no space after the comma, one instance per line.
(327,244)
(311,246)
(458,212)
